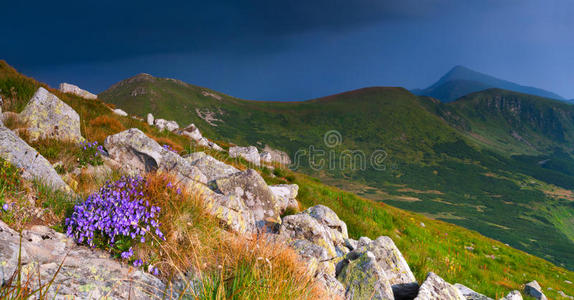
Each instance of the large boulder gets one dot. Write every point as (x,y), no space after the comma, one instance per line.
(469,294)
(434,288)
(364,278)
(49,117)
(250,154)
(286,196)
(534,290)
(514,295)
(35,167)
(137,153)
(390,259)
(213,169)
(231,211)
(252,190)
(73,89)
(85,273)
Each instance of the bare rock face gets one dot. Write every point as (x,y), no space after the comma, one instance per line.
(469,294)
(49,117)
(514,295)
(231,211)
(252,190)
(120,112)
(533,289)
(435,287)
(365,279)
(85,273)
(266,157)
(250,154)
(150,119)
(137,153)
(14,150)
(73,89)
(286,196)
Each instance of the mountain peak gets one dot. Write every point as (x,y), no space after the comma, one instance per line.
(461,81)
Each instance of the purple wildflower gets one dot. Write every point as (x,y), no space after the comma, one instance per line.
(6,207)
(138,263)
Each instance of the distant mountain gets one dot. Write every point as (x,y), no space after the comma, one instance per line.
(461,81)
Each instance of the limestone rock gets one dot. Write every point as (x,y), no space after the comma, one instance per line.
(435,287)
(192,157)
(138,153)
(231,210)
(203,142)
(390,259)
(564,295)
(250,187)
(334,288)
(251,154)
(365,279)
(85,273)
(514,295)
(278,156)
(150,119)
(286,195)
(162,124)
(266,157)
(49,117)
(120,112)
(533,289)
(73,89)
(34,166)
(214,146)
(212,168)
(192,132)
(469,294)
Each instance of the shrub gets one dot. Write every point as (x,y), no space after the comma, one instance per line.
(10,182)
(116,218)
(91,154)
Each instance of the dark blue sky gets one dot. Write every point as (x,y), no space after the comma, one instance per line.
(290,49)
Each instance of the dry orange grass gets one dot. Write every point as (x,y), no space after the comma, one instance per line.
(230,266)
(102,126)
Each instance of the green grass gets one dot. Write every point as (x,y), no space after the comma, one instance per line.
(430,146)
(425,153)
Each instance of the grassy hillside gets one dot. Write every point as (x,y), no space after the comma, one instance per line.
(489,267)
(452,162)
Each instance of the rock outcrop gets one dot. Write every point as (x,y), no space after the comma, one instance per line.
(49,117)
(162,124)
(85,273)
(278,156)
(514,295)
(435,287)
(250,154)
(73,89)
(286,195)
(534,290)
(192,132)
(212,168)
(364,279)
(137,153)
(469,294)
(249,188)
(35,167)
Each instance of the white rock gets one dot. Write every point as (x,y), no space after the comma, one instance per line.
(251,154)
(150,119)
(73,89)
(514,295)
(533,289)
(120,112)
(435,287)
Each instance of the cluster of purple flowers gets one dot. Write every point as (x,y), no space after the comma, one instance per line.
(118,211)
(91,154)
(169,148)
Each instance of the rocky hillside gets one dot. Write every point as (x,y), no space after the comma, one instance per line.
(464,162)
(149,212)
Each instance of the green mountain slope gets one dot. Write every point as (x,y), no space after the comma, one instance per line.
(461,81)
(430,158)
(428,245)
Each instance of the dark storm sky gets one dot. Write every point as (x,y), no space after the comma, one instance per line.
(290,49)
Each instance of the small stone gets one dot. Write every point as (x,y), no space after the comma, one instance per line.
(533,289)
(120,112)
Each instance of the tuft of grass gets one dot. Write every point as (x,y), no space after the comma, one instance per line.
(228,266)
